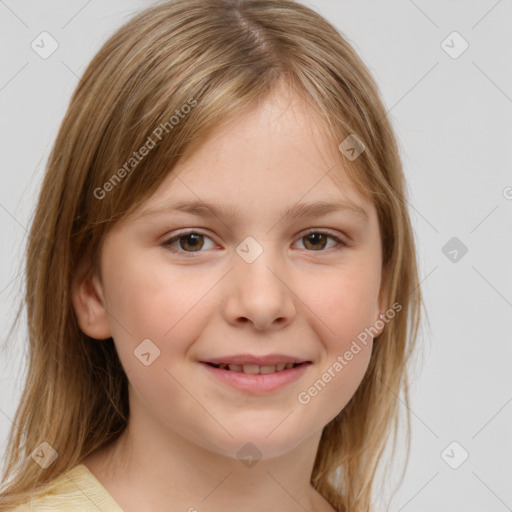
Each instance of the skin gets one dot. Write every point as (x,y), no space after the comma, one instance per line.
(304,299)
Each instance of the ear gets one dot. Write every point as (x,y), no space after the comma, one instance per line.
(89,304)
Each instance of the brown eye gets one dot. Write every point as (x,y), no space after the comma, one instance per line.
(318,240)
(315,241)
(187,242)
(192,241)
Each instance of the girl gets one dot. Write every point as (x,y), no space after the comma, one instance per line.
(222,290)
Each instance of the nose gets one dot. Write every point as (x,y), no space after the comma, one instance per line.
(260,293)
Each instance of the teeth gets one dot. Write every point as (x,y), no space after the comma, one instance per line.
(254,369)
(251,369)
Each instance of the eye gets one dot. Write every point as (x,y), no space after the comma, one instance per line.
(191,241)
(194,241)
(316,240)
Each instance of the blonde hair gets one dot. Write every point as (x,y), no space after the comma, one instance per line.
(225,55)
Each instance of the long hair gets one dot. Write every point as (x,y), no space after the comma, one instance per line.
(217,58)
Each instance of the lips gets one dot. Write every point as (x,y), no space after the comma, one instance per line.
(256,379)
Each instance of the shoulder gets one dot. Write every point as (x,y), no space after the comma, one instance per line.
(75,489)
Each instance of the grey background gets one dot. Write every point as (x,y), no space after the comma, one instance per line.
(453,118)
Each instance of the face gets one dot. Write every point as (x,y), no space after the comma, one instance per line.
(181,288)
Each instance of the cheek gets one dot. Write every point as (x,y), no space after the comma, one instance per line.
(149,300)
(342,308)
(346,302)
(164,313)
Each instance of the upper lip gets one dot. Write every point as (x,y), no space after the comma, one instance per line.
(268,360)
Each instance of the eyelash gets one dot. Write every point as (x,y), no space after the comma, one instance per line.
(167,244)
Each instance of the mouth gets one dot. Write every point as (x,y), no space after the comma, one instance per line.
(256,379)
(254,369)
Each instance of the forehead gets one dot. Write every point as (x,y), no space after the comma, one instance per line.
(273,155)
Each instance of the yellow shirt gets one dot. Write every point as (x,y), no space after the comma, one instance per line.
(76,489)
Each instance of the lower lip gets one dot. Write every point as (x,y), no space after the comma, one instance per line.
(257,384)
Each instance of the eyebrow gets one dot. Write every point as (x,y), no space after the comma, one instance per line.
(299,210)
